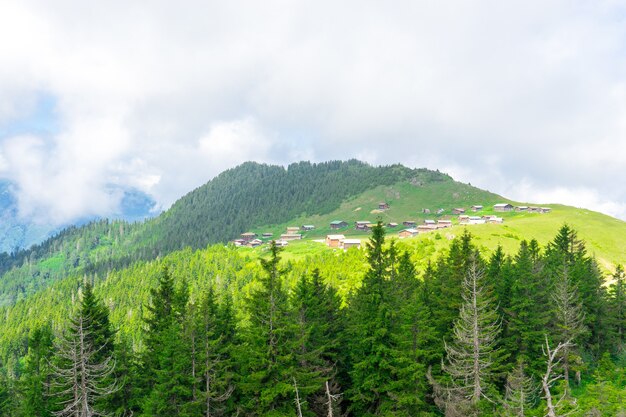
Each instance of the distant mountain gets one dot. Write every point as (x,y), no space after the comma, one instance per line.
(265,198)
(19,233)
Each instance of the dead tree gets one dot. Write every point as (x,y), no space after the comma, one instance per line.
(330,399)
(472,354)
(519,393)
(297,400)
(79,379)
(554,358)
(569,318)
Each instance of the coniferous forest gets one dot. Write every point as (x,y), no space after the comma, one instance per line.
(532,334)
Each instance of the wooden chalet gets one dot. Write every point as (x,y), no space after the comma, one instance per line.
(383,206)
(545,209)
(351,243)
(248,236)
(334,241)
(267,234)
(476,208)
(290,236)
(254,243)
(363,225)
(442,224)
(392,225)
(338,224)
(521,208)
(501,207)
(409,223)
(425,228)
(281,243)
(293,230)
(407,233)
(458,210)
(429,221)
(307,227)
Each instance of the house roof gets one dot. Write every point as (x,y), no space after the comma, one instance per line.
(409,230)
(428,221)
(335,237)
(248,234)
(502,205)
(337,222)
(363,222)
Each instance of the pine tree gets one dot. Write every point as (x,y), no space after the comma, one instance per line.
(214,369)
(617,310)
(34,395)
(319,329)
(268,362)
(414,338)
(373,352)
(528,313)
(168,352)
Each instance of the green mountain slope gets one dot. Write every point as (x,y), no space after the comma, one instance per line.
(266,198)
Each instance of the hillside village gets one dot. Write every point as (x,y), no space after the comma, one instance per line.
(411,228)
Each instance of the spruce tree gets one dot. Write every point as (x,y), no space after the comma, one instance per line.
(268,364)
(34,398)
(374,371)
(617,311)
(168,353)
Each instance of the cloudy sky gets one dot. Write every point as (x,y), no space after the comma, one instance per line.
(524,98)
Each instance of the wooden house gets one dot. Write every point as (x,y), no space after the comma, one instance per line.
(407,233)
(307,227)
(426,211)
(292,230)
(362,225)
(267,234)
(502,207)
(334,241)
(463,219)
(351,243)
(458,210)
(408,223)
(254,243)
(291,236)
(442,224)
(281,243)
(545,210)
(425,228)
(383,206)
(476,208)
(239,242)
(521,208)
(248,236)
(493,219)
(338,224)
(392,225)
(428,221)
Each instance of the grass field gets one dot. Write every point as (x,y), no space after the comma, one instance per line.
(605,236)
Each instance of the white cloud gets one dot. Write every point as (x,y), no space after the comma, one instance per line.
(163,96)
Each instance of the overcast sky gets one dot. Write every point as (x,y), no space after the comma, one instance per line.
(524,98)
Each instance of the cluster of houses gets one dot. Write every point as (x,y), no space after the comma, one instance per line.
(340,241)
(411,227)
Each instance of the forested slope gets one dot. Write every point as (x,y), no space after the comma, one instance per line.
(373,324)
(233,202)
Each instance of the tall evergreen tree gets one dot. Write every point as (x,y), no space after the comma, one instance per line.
(617,311)
(167,359)
(35,381)
(268,362)
(374,371)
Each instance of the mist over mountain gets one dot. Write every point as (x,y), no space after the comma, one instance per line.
(21,232)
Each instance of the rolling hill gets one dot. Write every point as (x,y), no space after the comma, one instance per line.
(265,198)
